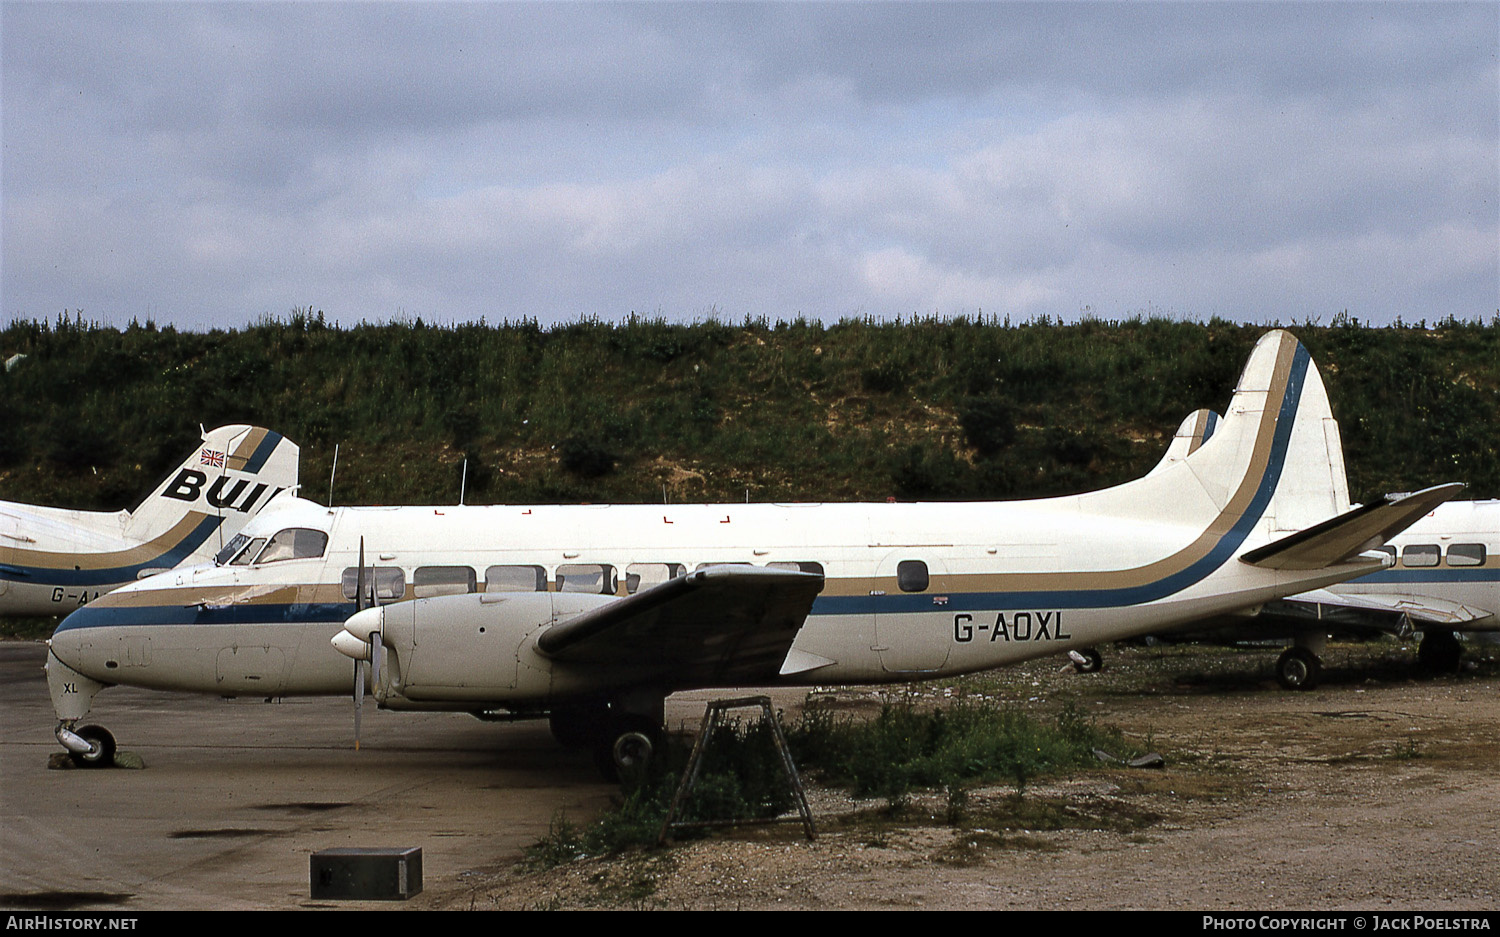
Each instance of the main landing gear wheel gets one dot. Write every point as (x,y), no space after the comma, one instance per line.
(1440,652)
(632,751)
(101,753)
(625,752)
(1092,661)
(1298,669)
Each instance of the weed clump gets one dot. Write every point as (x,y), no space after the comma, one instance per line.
(902,750)
(968,743)
(741,777)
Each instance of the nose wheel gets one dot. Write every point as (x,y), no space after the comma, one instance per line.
(88,746)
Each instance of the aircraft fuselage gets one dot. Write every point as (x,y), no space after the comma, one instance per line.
(911,590)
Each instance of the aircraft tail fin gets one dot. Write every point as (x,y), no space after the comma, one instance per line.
(227,478)
(1193,432)
(1273,464)
(1276,459)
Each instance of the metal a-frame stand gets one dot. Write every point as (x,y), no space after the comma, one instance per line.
(713,717)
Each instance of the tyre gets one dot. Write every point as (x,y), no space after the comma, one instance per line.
(1093,661)
(1298,669)
(102,752)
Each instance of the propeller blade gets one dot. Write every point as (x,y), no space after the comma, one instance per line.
(359,583)
(359,697)
(359,665)
(377,660)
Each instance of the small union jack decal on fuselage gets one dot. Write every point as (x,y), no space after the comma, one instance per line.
(211,457)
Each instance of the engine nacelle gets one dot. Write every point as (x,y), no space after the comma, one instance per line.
(479,647)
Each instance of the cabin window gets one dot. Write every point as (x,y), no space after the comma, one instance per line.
(248,554)
(801,566)
(911,575)
(294,543)
(1466,554)
(515,579)
(1421,554)
(442,580)
(390,582)
(645,575)
(593,578)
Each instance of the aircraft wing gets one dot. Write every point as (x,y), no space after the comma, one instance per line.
(732,623)
(1423,609)
(1351,533)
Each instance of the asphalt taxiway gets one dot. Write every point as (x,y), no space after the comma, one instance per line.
(237,794)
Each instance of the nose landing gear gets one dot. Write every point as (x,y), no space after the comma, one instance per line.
(88,746)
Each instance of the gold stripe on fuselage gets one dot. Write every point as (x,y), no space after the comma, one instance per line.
(239,594)
(134,556)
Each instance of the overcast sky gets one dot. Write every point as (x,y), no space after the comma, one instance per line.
(208,164)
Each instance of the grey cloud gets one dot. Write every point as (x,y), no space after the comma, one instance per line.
(233,159)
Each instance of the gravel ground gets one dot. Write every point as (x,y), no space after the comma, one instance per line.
(1377,791)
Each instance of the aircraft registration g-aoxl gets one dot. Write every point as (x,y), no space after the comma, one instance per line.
(53,560)
(593,614)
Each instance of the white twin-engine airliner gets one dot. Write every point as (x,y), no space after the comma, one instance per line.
(53,560)
(592,615)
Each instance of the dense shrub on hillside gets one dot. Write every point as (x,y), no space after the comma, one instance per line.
(646,410)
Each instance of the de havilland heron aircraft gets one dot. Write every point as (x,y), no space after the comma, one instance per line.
(591,615)
(1444,579)
(52,560)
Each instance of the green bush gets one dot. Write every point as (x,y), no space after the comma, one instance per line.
(904,749)
(792,411)
(740,777)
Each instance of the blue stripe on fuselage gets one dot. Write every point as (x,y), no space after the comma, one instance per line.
(96,615)
(1436,577)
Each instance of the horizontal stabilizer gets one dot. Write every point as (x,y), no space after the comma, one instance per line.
(1340,538)
(723,621)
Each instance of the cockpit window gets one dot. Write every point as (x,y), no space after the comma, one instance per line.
(230,549)
(248,554)
(294,543)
